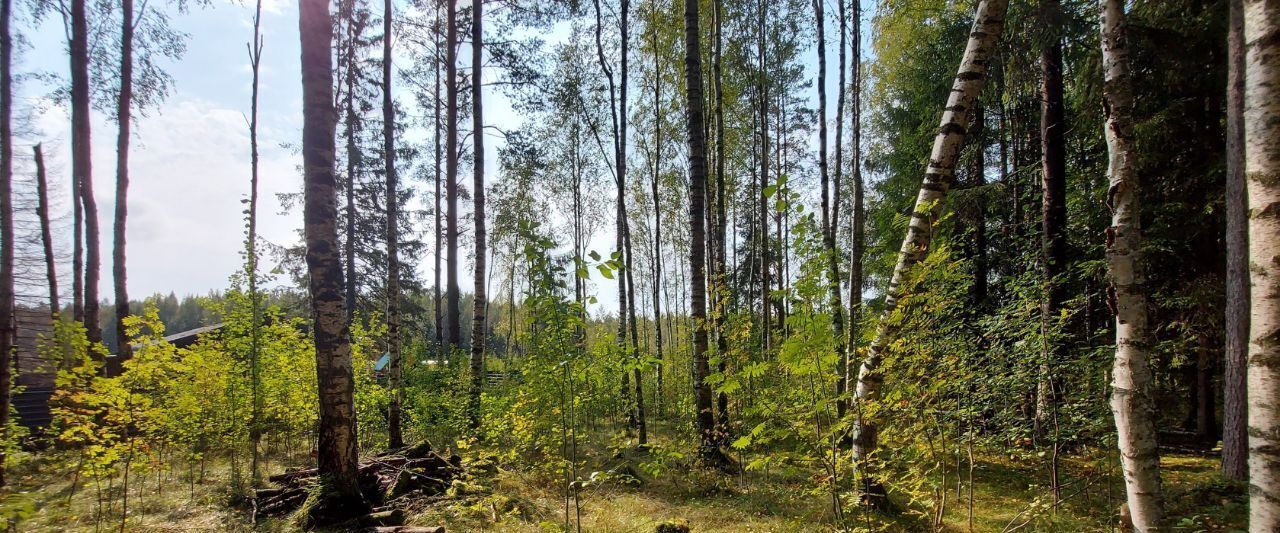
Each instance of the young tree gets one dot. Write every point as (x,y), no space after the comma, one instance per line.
(939,176)
(251,251)
(395,437)
(1262,170)
(337,430)
(707,445)
(1131,375)
(477,195)
(1235,445)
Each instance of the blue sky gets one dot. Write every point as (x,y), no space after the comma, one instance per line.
(189,160)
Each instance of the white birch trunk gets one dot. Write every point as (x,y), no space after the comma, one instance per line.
(987,24)
(1131,376)
(1262,175)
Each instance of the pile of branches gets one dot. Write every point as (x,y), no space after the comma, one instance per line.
(387,481)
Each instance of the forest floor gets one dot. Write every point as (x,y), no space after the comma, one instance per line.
(1008,495)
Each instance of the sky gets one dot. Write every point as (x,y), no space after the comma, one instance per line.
(189,162)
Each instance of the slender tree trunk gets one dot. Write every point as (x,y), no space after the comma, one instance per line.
(829,209)
(704,422)
(337,429)
(1262,171)
(657,207)
(1053,154)
(477,137)
(8,329)
(82,165)
(453,313)
(124,117)
(46,231)
(763,90)
(354,160)
(1235,446)
(435,167)
(940,175)
(395,438)
(637,375)
(858,218)
(251,244)
(721,285)
(842,371)
(1131,384)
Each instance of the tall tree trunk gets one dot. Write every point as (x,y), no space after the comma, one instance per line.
(1131,384)
(1235,446)
(352,123)
(453,313)
(8,328)
(657,207)
(1262,169)
(477,195)
(337,429)
(858,218)
(842,371)
(721,284)
(251,245)
(82,165)
(395,438)
(124,117)
(1053,153)
(628,276)
(46,231)
(704,421)
(829,208)
(763,244)
(435,167)
(939,177)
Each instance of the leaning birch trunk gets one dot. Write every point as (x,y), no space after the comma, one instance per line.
(1131,376)
(1262,174)
(940,174)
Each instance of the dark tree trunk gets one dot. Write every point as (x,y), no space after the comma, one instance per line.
(7,327)
(395,439)
(46,231)
(453,313)
(439,228)
(1054,203)
(82,166)
(657,209)
(123,119)
(251,244)
(477,137)
(352,123)
(337,430)
(721,280)
(1235,439)
(705,423)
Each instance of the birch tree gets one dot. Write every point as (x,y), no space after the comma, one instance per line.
(1262,173)
(1131,402)
(337,431)
(939,176)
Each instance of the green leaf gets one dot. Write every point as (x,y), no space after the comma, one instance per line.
(605,271)
(742,442)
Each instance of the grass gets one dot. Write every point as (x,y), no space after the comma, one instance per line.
(1010,493)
